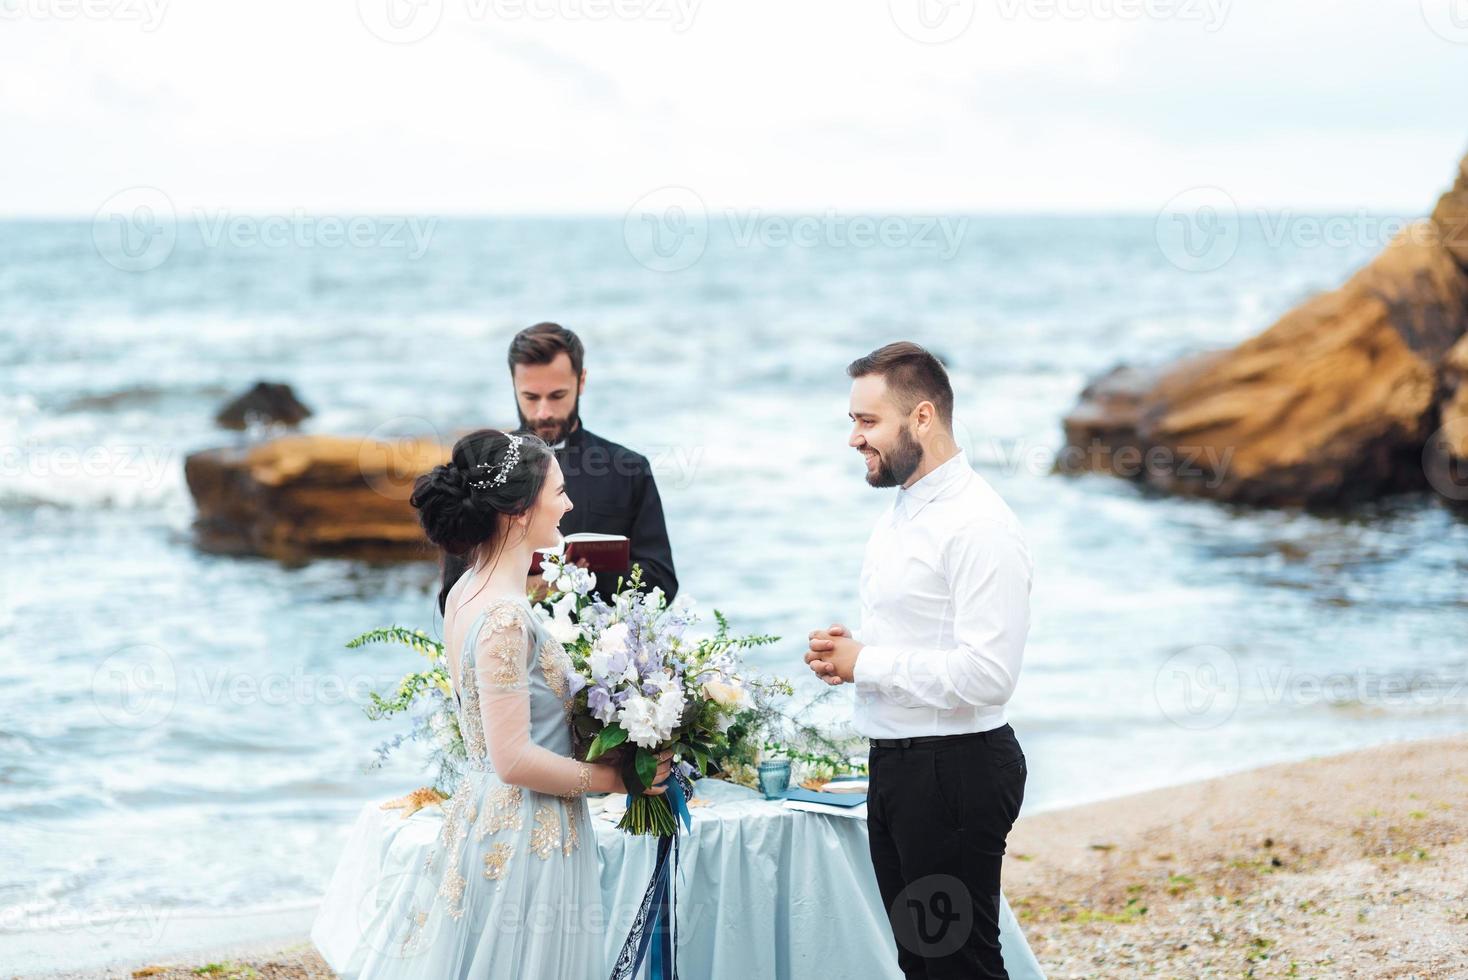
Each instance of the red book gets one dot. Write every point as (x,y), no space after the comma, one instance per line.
(603,553)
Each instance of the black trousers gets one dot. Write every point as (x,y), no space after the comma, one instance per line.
(938,815)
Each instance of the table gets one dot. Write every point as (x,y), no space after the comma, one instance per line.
(764,892)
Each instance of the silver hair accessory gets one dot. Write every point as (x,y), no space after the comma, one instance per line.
(512,458)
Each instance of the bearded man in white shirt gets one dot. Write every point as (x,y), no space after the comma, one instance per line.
(945,589)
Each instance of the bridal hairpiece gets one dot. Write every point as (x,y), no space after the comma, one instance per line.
(512,457)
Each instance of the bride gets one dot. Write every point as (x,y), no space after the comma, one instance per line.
(511,886)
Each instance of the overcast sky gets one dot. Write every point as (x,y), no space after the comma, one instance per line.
(530,106)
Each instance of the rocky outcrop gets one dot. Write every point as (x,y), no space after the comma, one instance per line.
(268,403)
(1338,402)
(304,495)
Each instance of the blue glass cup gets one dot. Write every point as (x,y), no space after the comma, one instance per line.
(774,778)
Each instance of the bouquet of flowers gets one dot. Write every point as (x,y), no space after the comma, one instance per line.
(641,686)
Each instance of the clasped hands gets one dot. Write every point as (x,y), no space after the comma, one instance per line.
(832,655)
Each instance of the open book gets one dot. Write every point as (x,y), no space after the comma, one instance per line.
(604,553)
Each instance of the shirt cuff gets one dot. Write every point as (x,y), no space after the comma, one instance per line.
(873,666)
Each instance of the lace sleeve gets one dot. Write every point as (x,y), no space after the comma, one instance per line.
(501,659)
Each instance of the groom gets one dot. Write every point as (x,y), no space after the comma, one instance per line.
(944,613)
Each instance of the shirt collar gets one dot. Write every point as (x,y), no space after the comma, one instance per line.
(942,480)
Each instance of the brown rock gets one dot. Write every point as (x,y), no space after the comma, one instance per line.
(303,495)
(1333,404)
(1446,455)
(268,403)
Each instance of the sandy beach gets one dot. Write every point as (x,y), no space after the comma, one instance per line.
(1346,866)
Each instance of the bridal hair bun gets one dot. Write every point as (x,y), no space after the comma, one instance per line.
(489,473)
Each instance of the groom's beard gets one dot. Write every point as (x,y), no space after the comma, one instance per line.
(552,431)
(897,465)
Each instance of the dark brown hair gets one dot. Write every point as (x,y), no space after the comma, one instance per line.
(543,343)
(912,373)
(459,503)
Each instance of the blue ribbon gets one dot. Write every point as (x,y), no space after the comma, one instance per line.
(653,934)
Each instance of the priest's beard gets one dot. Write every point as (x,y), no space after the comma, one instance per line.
(897,465)
(552,431)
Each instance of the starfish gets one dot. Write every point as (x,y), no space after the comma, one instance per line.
(415,801)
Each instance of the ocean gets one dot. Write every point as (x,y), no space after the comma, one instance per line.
(1173,639)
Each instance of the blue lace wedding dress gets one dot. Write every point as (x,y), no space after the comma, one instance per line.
(510,889)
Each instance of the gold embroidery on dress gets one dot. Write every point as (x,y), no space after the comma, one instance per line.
(554,663)
(469,721)
(546,836)
(496,860)
(573,839)
(452,890)
(501,812)
(507,644)
(583,783)
(415,929)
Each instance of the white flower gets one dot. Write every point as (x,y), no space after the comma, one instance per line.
(670,711)
(549,572)
(582,581)
(614,638)
(639,718)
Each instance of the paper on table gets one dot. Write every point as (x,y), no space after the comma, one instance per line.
(858,812)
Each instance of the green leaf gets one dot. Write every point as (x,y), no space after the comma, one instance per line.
(647,767)
(607,739)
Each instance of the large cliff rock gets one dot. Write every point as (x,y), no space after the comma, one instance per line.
(303,495)
(1342,400)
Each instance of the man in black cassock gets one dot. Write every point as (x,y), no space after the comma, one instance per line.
(612,486)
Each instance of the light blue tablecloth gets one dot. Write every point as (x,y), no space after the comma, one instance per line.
(764,893)
(775,894)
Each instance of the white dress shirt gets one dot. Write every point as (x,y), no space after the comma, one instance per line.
(945,608)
